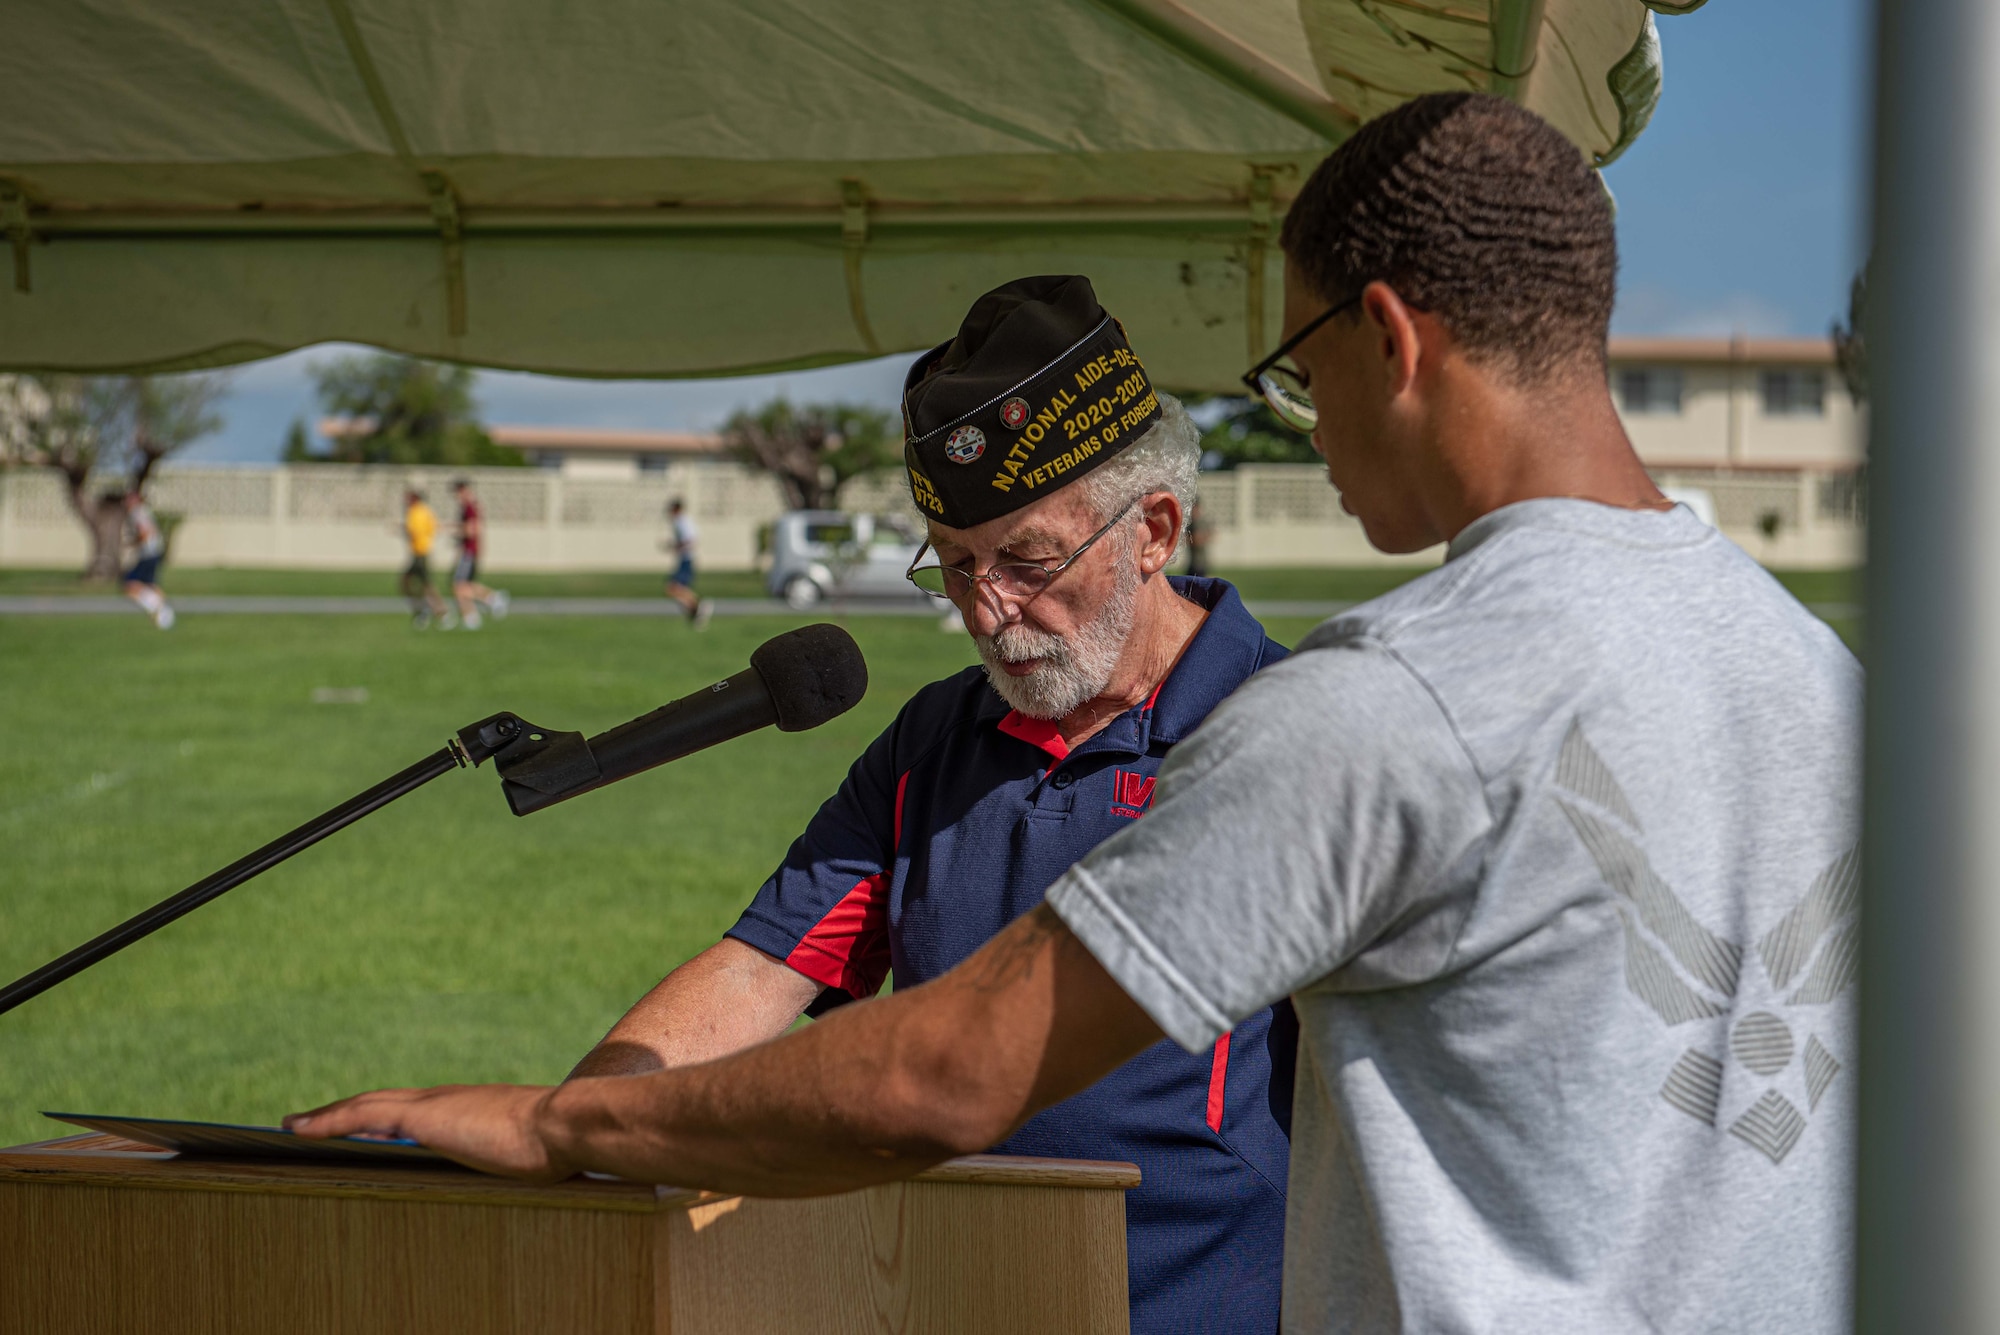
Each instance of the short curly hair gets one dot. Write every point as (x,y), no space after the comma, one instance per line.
(1474,210)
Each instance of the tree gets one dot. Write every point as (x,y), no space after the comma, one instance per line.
(298,445)
(104,430)
(399,410)
(1243,430)
(1850,347)
(814,449)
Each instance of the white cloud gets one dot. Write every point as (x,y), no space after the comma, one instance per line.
(1662,311)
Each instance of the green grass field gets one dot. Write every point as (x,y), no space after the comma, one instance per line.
(440,939)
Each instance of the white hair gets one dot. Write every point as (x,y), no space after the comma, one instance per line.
(1166,458)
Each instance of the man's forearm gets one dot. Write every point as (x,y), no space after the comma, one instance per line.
(873,1092)
(735,1125)
(729,997)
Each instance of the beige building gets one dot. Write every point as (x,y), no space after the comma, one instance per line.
(589,452)
(1764,427)
(1736,403)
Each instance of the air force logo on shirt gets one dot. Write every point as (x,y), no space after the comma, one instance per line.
(1700,978)
(1131,792)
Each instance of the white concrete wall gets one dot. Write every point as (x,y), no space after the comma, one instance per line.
(336,516)
(333,516)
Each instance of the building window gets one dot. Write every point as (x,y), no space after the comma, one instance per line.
(653,462)
(546,458)
(1794,393)
(1650,389)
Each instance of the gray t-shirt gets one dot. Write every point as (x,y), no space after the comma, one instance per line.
(1554,848)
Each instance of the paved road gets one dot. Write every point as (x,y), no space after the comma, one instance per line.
(605,607)
(293,606)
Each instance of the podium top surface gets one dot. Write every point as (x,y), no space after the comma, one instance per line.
(97,1159)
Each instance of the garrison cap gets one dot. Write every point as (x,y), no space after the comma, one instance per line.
(1038,388)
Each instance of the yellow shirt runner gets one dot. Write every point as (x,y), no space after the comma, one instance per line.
(420,524)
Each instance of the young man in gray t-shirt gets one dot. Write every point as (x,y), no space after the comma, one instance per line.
(1553,847)
(1568,921)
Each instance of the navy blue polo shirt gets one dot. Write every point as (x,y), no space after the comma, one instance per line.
(951,825)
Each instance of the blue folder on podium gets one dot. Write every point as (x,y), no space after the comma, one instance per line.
(222,1140)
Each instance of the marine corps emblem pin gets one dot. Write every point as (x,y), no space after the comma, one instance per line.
(1014,413)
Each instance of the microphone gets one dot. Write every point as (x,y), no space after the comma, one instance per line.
(797,681)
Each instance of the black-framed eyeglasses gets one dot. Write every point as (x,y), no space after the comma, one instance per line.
(1015,579)
(1281,388)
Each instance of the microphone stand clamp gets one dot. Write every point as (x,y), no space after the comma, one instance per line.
(525,756)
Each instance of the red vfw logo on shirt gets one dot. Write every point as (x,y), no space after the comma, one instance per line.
(1131,792)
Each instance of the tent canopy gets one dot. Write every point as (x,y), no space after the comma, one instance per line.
(636,188)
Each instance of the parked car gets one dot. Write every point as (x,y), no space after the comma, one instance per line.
(821,554)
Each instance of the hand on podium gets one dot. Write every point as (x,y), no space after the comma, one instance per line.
(494,1128)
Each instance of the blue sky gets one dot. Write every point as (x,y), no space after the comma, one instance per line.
(1740,209)
(1743,206)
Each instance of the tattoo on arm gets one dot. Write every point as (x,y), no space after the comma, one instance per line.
(617,1057)
(1012,956)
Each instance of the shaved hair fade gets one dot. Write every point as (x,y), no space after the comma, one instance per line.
(1476,211)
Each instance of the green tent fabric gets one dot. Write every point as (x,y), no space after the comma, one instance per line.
(700,187)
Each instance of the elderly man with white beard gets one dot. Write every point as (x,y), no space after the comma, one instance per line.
(1056,482)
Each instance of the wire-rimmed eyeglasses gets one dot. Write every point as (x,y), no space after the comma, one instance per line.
(1280,386)
(1015,579)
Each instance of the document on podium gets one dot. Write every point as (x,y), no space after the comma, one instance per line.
(221,1140)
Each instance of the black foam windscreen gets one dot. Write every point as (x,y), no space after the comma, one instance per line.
(814,673)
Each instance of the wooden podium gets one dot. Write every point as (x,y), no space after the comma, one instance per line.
(99,1236)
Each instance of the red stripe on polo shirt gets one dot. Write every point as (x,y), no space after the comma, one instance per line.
(1218,1080)
(1041,732)
(849,947)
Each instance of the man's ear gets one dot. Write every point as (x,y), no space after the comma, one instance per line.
(1397,338)
(1160,512)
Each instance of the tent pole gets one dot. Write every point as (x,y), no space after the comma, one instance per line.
(853,242)
(1517,37)
(1929,1199)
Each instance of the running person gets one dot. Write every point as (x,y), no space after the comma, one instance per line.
(680,584)
(465,585)
(420,525)
(142,581)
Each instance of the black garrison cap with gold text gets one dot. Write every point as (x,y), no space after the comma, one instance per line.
(1038,388)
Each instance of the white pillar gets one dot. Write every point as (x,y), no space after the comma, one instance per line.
(552,518)
(280,547)
(1929,1207)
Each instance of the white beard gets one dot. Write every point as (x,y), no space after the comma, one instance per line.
(1074,668)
